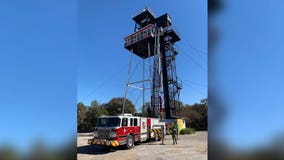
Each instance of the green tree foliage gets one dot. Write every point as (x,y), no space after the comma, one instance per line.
(204,101)
(9,153)
(114,106)
(81,115)
(94,111)
(187,131)
(144,109)
(103,110)
(196,115)
(87,115)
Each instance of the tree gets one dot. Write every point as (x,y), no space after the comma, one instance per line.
(95,103)
(81,115)
(93,112)
(204,101)
(114,106)
(91,116)
(200,123)
(196,115)
(103,110)
(144,109)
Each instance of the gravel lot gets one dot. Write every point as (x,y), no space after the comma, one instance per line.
(191,147)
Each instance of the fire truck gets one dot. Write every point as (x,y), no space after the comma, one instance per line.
(126,129)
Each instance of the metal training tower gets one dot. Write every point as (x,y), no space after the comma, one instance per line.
(153,40)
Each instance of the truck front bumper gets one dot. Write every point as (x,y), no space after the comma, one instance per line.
(103,142)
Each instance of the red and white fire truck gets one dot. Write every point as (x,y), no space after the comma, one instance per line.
(125,129)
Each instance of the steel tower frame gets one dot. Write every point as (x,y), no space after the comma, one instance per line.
(159,50)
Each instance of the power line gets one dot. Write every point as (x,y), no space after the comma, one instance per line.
(102,84)
(198,84)
(193,60)
(203,57)
(202,52)
(184,40)
(197,91)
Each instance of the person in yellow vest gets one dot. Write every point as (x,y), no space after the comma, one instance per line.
(174,132)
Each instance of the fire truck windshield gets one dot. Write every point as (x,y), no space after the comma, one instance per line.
(108,122)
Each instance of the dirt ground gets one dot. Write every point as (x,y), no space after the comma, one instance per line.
(191,147)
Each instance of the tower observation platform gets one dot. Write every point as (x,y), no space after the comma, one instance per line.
(145,27)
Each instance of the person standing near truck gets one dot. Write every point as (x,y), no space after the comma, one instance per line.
(177,130)
(174,132)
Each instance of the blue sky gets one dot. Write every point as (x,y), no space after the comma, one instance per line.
(43,76)
(38,73)
(103,61)
(248,65)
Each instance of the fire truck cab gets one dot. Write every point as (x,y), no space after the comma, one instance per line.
(126,129)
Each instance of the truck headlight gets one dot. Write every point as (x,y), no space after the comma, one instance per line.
(113,134)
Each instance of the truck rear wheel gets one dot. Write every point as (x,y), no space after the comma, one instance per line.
(129,142)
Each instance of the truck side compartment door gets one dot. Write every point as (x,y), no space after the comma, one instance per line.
(143,128)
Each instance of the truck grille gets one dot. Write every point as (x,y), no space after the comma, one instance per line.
(104,134)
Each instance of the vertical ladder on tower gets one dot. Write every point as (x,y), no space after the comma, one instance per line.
(156,77)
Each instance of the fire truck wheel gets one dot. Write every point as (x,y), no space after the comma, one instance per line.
(130,142)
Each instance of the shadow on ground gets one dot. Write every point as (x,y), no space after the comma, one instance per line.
(92,149)
(96,149)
